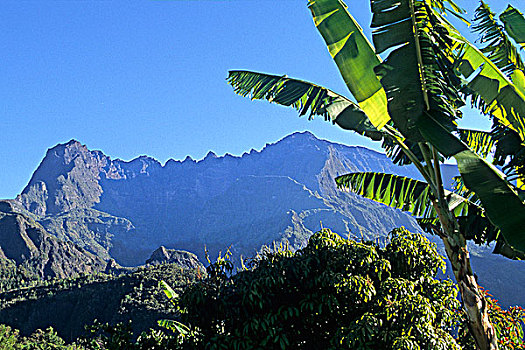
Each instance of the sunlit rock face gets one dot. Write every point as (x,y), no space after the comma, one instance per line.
(184,259)
(25,243)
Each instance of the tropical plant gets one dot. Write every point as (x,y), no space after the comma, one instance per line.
(335,293)
(411,101)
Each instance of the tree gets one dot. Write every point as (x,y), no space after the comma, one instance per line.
(333,294)
(411,101)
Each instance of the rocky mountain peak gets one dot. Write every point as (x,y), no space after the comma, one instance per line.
(210,155)
(185,259)
(160,254)
(66,179)
(300,136)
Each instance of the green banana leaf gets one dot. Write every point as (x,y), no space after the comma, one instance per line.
(514,24)
(304,97)
(502,144)
(166,288)
(400,73)
(498,47)
(401,192)
(479,141)
(415,197)
(354,56)
(174,326)
(491,90)
(413,75)
(500,201)
(460,189)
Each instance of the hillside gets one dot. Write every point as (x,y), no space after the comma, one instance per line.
(69,304)
(125,210)
(28,252)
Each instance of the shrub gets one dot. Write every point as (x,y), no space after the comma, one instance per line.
(335,293)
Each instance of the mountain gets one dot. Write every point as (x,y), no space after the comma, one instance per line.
(125,210)
(27,249)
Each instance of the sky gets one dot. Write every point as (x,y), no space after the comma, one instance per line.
(135,78)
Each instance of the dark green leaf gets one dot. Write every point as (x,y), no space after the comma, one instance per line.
(514,24)
(500,201)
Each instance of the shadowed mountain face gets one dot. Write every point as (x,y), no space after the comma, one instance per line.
(284,193)
(128,209)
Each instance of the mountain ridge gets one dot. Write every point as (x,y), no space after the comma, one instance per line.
(72,178)
(125,210)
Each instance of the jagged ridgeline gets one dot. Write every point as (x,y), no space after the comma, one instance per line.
(124,210)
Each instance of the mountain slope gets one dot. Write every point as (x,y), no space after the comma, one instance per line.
(71,304)
(285,192)
(26,247)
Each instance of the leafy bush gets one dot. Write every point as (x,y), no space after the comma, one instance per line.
(334,293)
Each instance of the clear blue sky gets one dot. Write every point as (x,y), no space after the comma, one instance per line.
(148,77)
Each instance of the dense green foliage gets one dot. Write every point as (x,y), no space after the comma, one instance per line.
(335,293)
(14,276)
(101,337)
(10,339)
(70,304)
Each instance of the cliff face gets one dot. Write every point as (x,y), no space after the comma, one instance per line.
(67,179)
(27,244)
(125,210)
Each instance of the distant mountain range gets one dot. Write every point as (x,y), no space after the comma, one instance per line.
(108,208)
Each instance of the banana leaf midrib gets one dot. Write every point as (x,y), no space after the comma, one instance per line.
(416,192)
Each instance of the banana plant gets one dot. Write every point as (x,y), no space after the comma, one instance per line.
(411,101)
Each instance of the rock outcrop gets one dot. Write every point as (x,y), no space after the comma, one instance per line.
(182,258)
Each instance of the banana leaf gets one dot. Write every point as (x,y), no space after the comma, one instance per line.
(304,97)
(413,75)
(354,56)
(498,46)
(400,73)
(491,90)
(479,141)
(415,197)
(401,192)
(503,145)
(514,24)
(500,201)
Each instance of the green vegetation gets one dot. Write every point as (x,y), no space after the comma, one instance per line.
(412,102)
(334,294)
(71,304)
(14,276)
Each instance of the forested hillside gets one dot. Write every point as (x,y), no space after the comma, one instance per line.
(69,305)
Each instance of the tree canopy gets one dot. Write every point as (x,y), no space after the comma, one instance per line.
(412,101)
